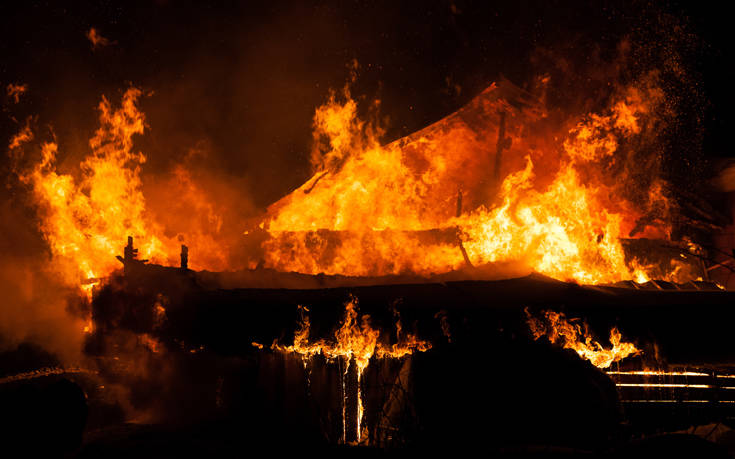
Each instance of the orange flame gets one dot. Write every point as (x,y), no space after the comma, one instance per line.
(556,328)
(356,341)
(370,208)
(86,221)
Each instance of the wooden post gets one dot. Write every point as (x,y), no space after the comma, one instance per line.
(503,143)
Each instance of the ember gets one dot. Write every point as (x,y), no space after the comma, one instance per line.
(555,224)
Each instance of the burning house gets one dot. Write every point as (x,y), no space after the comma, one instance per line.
(515,275)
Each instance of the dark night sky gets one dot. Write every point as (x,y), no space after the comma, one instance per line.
(244,78)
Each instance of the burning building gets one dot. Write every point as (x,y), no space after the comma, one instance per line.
(514,275)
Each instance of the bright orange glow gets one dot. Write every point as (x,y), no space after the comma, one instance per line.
(373,209)
(424,204)
(562,232)
(669,385)
(557,328)
(660,373)
(87,220)
(88,326)
(86,223)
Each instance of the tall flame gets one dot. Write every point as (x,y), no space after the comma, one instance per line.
(370,208)
(562,232)
(86,220)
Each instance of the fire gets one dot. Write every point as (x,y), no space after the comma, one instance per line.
(356,340)
(557,328)
(86,219)
(373,209)
(562,232)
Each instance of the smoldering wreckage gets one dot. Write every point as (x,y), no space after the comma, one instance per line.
(498,280)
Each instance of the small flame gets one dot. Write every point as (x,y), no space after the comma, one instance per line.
(85,222)
(356,340)
(555,327)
